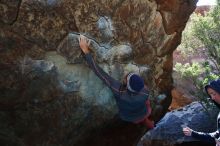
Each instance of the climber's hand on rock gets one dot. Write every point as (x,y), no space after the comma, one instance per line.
(84,43)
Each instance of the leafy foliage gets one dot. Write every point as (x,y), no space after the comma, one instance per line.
(207,30)
(189,40)
(201,36)
(200,75)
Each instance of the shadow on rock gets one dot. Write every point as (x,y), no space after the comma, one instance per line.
(114,133)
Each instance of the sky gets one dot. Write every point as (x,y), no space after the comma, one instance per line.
(206,2)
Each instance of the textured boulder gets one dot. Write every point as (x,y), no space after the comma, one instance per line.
(168,131)
(153,28)
(49,96)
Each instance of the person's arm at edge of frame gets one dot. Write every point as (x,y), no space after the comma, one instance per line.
(113,84)
(207,137)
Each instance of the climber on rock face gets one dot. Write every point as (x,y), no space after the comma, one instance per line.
(213,91)
(132,96)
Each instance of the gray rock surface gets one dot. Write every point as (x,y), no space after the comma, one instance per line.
(168,131)
(53,98)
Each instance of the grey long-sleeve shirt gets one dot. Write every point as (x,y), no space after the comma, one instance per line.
(132,106)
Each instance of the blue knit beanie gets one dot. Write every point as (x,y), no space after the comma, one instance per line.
(134,82)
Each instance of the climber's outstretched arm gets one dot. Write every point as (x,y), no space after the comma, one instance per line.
(113,84)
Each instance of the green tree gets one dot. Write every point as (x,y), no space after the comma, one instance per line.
(207,30)
(189,42)
(202,35)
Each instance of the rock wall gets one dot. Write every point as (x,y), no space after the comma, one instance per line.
(48,93)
